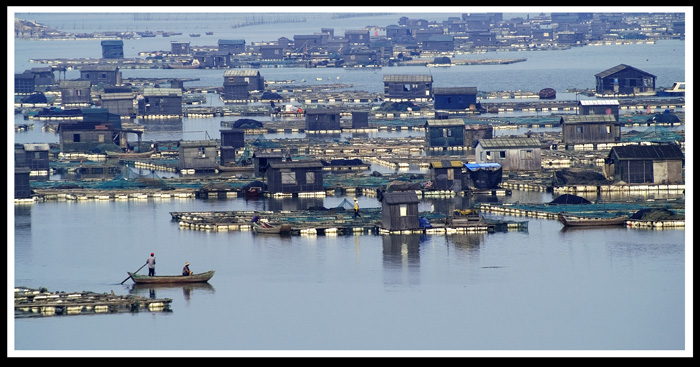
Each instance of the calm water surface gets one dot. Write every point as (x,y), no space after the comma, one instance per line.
(607,289)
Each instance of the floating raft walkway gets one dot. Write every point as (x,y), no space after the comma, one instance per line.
(336,221)
(551,211)
(32,302)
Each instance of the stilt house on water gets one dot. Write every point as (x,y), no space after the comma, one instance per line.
(518,154)
(35,156)
(97,128)
(231,139)
(448,133)
(75,93)
(112,49)
(400,211)
(160,102)
(262,160)
(322,119)
(455,99)
(625,80)
(599,107)
(199,155)
(119,101)
(447,175)
(101,74)
(295,177)
(408,87)
(590,129)
(654,164)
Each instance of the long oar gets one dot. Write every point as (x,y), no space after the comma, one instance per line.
(127,278)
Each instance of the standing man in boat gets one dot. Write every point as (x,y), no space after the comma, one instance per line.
(186,269)
(151,261)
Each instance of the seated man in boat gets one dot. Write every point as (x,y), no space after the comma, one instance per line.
(186,269)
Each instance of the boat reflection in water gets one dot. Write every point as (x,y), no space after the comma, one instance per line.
(187,289)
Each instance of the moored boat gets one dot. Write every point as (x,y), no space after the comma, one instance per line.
(262,227)
(676,90)
(130,154)
(170,279)
(581,221)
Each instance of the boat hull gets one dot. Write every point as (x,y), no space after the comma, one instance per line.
(278,229)
(592,222)
(172,279)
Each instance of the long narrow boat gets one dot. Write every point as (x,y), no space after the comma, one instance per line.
(579,221)
(171,279)
(273,229)
(130,154)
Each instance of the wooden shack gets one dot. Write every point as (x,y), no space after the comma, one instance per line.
(75,93)
(24,83)
(361,57)
(447,175)
(625,80)
(357,37)
(119,102)
(513,154)
(112,49)
(35,156)
(97,128)
(262,160)
(439,43)
(455,99)
(238,82)
(22,188)
(599,107)
(213,59)
(408,87)
(235,47)
(322,119)
(444,133)
(179,48)
(43,75)
(304,42)
(400,211)
(272,52)
(360,119)
(160,102)
(653,164)
(590,129)
(231,140)
(101,74)
(199,155)
(294,177)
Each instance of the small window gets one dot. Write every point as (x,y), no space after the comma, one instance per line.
(502,153)
(76,138)
(608,129)
(403,210)
(310,177)
(289,178)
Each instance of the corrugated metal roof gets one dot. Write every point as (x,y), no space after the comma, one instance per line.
(297,164)
(197,143)
(162,92)
(447,164)
(36,147)
(401,197)
(599,102)
(619,68)
(510,142)
(231,42)
(243,72)
(586,119)
(408,78)
(659,152)
(454,90)
(445,122)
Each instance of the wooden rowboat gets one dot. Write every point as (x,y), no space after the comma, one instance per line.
(130,154)
(578,221)
(273,229)
(170,279)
